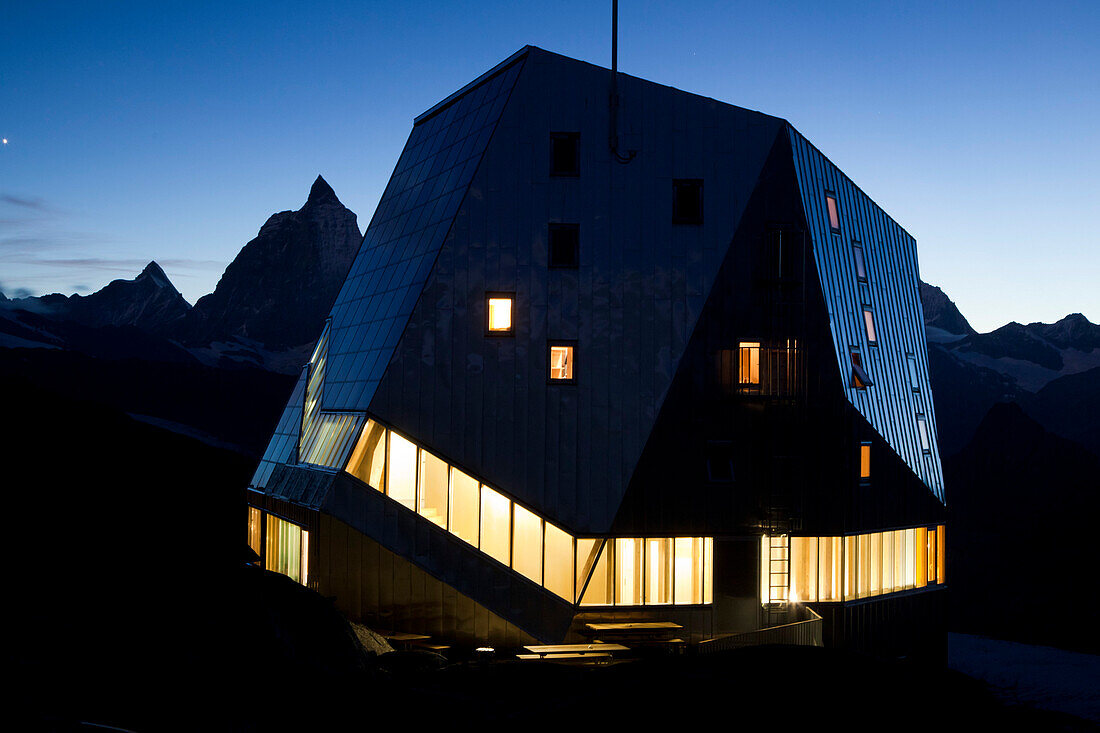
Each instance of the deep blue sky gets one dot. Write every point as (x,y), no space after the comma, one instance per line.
(171,131)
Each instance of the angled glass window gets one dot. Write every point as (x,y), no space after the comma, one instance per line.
(368,460)
(594,567)
(865,461)
(857,256)
(834,213)
(255,530)
(922,430)
(565,154)
(401,482)
(526,543)
(564,245)
(465,506)
(869,324)
(561,362)
(498,307)
(687,201)
(557,564)
(859,379)
(432,498)
(496,525)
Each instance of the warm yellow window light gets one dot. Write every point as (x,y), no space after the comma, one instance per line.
(749,363)
(865,461)
(500,314)
(255,530)
(557,564)
(561,363)
(401,483)
(527,543)
(432,497)
(496,525)
(465,505)
(368,460)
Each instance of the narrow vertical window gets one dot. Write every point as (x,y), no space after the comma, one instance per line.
(401,486)
(565,158)
(594,567)
(564,246)
(857,256)
(465,502)
(527,543)
(496,525)
(499,310)
(748,364)
(561,362)
(628,571)
(368,460)
(658,573)
(922,430)
(914,379)
(687,201)
(834,213)
(557,563)
(433,495)
(865,461)
(255,530)
(869,324)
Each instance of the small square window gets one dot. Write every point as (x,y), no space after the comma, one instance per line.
(561,362)
(869,324)
(834,213)
(865,462)
(687,201)
(564,242)
(498,307)
(861,267)
(565,158)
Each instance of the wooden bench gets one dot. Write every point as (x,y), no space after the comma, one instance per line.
(637,632)
(571,652)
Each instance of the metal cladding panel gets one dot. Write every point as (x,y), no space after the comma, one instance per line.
(403,239)
(485,402)
(283,447)
(891,406)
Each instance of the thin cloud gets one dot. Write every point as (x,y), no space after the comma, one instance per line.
(101,263)
(26,202)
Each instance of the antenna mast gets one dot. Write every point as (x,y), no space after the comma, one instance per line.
(613,102)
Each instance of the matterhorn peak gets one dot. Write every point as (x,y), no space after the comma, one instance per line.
(321,192)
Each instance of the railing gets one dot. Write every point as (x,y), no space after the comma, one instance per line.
(806,632)
(761,370)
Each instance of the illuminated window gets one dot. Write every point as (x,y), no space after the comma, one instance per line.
(804,575)
(594,565)
(526,543)
(687,201)
(496,525)
(557,564)
(865,461)
(658,572)
(748,363)
(690,570)
(628,571)
(255,530)
(561,363)
(830,568)
(869,324)
(834,214)
(465,505)
(857,256)
(564,245)
(368,460)
(565,159)
(922,430)
(920,544)
(433,494)
(941,555)
(287,549)
(859,379)
(401,483)
(931,533)
(499,308)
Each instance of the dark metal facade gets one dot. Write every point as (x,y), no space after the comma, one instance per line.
(655,309)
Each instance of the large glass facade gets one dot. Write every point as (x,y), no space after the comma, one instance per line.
(625,571)
(865,565)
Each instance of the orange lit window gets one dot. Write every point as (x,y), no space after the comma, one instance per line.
(500,314)
(834,213)
(865,461)
(748,363)
(561,363)
(859,380)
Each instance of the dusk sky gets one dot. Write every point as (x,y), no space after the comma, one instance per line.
(171,131)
